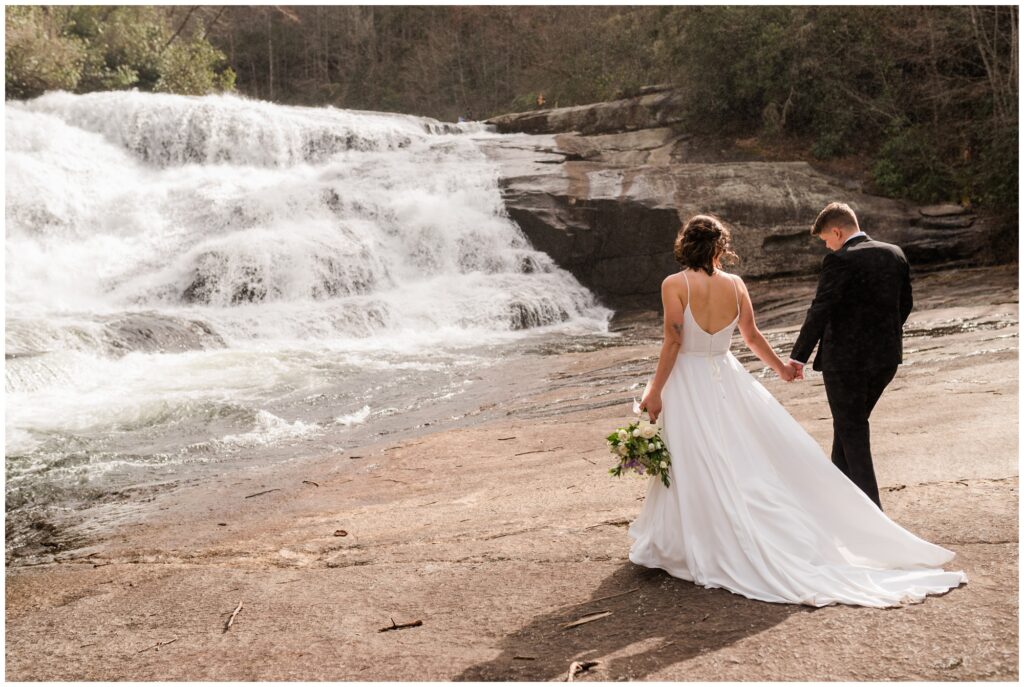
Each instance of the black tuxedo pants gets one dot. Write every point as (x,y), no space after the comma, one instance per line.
(852,394)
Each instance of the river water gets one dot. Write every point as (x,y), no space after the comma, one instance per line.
(195,281)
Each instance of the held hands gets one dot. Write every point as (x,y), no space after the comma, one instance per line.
(791,370)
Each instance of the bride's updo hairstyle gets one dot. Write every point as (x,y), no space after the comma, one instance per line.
(700,241)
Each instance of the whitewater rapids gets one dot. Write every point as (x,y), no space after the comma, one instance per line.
(188,278)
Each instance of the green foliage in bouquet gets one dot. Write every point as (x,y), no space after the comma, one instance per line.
(640,449)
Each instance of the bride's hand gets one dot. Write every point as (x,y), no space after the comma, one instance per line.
(652,404)
(786,373)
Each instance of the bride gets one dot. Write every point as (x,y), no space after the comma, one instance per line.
(754,505)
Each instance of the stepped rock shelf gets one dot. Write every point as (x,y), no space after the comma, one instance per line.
(603,189)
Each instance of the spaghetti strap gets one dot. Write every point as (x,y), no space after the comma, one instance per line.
(736,291)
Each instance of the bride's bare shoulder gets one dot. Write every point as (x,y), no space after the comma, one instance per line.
(676,279)
(674,287)
(733,277)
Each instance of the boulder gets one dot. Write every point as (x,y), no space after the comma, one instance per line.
(606,202)
(646,111)
(154,332)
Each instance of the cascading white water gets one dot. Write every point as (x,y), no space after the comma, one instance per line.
(186,261)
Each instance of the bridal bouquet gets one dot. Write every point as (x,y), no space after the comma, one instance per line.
(640,448)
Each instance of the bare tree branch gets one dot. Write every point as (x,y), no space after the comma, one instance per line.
(180,28)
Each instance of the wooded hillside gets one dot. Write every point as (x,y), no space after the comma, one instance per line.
(926,97)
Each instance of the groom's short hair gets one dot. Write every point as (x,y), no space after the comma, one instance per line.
(835,214)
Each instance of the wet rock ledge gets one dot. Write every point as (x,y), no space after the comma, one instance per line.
(603,189)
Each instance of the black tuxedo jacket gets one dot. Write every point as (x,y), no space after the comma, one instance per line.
(857,316)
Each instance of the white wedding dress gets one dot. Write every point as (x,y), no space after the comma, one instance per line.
(757,508)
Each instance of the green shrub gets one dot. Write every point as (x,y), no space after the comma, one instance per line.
(38,56)
(908,164)
(101,48)
(191,68)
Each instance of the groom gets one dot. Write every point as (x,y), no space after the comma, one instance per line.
(856,320)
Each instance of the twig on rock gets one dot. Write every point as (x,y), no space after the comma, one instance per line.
(309,481)
(158,644)
(618,523)
(415,623)
(261,493)
(597,615)
(543,450)
(232,618)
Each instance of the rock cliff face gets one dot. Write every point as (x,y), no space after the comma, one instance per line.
(604,188)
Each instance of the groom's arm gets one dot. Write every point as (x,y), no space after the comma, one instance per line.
(831,283)
(906,294)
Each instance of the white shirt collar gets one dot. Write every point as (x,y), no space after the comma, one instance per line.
(853,236)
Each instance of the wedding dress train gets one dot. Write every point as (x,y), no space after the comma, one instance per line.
(757,508)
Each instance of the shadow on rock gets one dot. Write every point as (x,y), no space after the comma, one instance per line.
(667,620)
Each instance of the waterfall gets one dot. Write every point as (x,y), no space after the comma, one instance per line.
(208,264)
(266,222)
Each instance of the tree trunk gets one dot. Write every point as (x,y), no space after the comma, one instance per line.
(270,57)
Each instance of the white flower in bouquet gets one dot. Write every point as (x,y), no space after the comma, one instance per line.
(622,449)
(636,432)
(623,435)
(650,447)
(647,430)
(664,465)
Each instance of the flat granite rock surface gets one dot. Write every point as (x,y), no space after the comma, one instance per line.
(498,535)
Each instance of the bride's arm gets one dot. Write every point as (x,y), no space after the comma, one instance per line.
(672,304)
(755,340)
